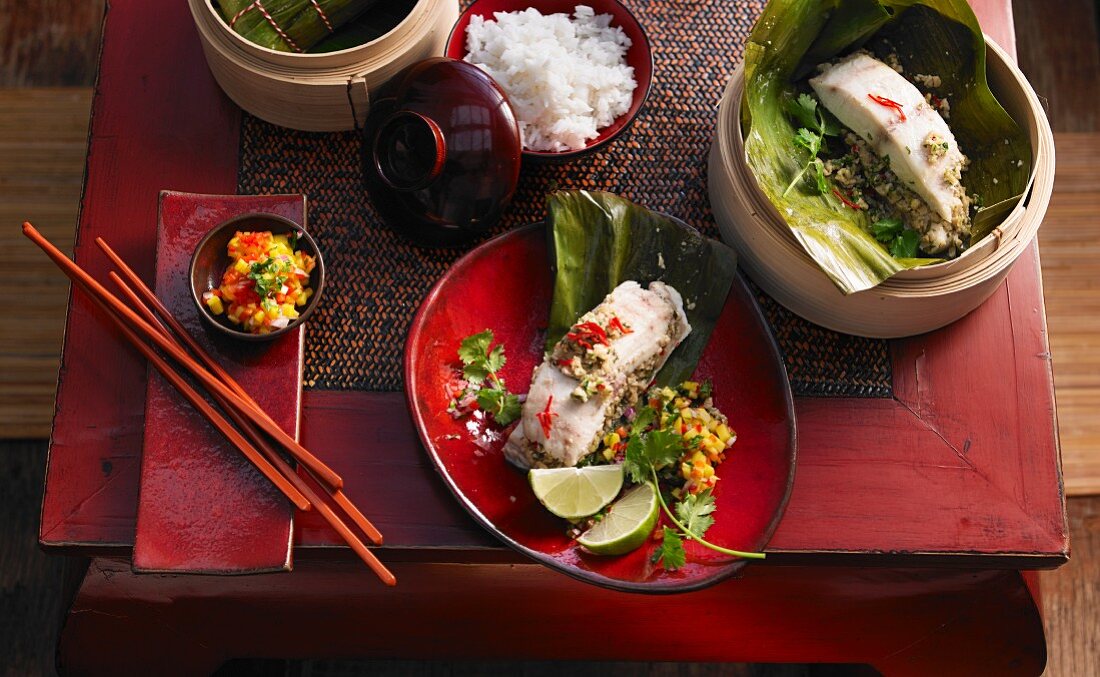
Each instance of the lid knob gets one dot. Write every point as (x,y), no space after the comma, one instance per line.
(409,151)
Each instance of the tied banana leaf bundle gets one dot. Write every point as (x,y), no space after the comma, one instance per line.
(599,240)
(861,197)
(289,25)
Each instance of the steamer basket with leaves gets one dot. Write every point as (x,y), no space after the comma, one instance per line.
(290,25)
(292,71)
(829,247)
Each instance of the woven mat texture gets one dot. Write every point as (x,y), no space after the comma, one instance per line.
(376,280)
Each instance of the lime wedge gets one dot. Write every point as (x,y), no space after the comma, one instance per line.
(574,493)
(627,524)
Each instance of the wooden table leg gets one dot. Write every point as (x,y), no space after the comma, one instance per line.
(904,622)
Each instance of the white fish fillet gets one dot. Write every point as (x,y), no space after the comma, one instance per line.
(845,88)
(657,325)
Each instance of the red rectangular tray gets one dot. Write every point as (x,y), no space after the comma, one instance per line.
(203,507)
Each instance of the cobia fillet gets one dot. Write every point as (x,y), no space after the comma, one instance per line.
(597,370)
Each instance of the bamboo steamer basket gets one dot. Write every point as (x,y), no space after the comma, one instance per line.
(912,301)
(323,92)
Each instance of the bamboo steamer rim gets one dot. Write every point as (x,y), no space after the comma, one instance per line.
(1016,231)
(304,68)
(274,56)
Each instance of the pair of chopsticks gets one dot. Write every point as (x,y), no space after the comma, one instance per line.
(254,431)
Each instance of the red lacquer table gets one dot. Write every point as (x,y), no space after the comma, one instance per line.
(907,542)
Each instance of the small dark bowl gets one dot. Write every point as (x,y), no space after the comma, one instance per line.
(639,56)
(211,259)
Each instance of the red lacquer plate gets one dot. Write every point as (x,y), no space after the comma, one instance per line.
(505,285)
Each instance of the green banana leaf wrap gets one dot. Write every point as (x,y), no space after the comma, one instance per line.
(599,240)
(940,37)
(289,25)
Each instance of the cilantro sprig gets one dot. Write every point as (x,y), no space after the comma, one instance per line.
(480,363)
(646,455)
(811,138)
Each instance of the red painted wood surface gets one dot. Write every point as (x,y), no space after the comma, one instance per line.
(238,522)
(917,494)
(904,622)
(159,121)
(962,465)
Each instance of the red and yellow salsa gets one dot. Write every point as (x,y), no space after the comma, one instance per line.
(265,285)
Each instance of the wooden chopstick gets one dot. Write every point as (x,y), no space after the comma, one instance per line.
(270,460)
(183,335)
(208,381)
(127,320)
(307,459)
(210,413)
(254,436)
(251,431)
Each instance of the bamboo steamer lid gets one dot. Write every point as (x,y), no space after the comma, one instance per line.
(912,301)
(324,92)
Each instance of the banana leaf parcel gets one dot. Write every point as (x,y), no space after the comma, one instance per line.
(599,240)
(928,36)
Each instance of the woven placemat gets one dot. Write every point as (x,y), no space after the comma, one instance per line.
(376,280)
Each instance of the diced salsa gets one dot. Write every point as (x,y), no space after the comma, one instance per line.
(266,283)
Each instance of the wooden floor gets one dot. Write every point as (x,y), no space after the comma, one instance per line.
(47,63)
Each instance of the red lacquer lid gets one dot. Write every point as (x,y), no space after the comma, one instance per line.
(441,152)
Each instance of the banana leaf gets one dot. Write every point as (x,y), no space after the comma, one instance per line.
(299,20)
(939,37)
(599,240)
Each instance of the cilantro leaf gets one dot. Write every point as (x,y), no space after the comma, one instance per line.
(885,230)
(663,447)
(475,373)
(802,108)
(648,453)
(817,172)
(495,359)
(830,126)
(808,140)
(646,415)
(634,462)
(905,246)
(695,512)
(671,553)
(475,347)
(501,404)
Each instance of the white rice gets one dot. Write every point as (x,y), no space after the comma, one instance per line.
(566,78)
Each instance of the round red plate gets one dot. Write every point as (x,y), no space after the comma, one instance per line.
(505,285)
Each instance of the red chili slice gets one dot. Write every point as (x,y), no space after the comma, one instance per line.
(845,200)
(616,323)
(587,334)
(883,101)
(546,417)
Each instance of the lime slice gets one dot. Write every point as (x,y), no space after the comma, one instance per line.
(574,493)
(627,524)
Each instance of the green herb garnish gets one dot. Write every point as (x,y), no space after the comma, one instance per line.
(811,138)
(901,241)
(671,554)
(269,275)
(905,246)
(480,364)
(646,454)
